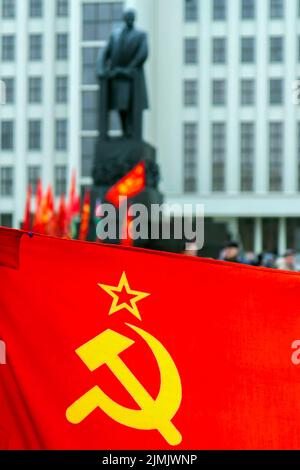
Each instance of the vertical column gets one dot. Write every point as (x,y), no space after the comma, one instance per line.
(74,117)
(21,144)
(168,106)
(258,236)
(282,241)
(262,154)
(233,228)
(48,142)
(204,176)
(290,54)
(232,145)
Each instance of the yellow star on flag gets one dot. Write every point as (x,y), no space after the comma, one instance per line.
(131,297)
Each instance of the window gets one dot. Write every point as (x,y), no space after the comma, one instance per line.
(7,181)
(33,177)
(190,156)
(61,89)
(61,134)
(88,145)
(276,9)
(191,10)
(89,110)
(276,91)
(8,8)
(190,93)
(191,51)
(219,9)
(7,135)
(62,8)
(248,50)
(299,48)
(8,48)
(218,156)
(60,180)
(219,50)
(247,92)
(62,46)
(34,134)
(247,156)
(276,155)
(276,49)
(89,59)
(35,90)
(35,47)
(248,9)
(99,20)
(9,89)
(219,92)
(6,220)
(36,8)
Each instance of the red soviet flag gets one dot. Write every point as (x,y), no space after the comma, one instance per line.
(119,348)
(129,186)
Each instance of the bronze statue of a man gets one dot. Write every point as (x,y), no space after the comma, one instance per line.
(121,63)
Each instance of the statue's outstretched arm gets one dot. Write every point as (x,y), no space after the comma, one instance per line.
(141,55)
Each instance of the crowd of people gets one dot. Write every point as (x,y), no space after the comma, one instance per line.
(233,253)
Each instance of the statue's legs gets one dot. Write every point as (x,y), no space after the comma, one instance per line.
(127,122)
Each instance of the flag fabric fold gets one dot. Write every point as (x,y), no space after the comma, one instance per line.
(111,347)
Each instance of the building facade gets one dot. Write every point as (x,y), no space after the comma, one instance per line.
(224,115)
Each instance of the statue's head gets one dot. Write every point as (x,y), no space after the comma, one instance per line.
(129,17)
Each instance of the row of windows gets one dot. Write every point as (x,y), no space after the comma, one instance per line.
(35,51)
(35,89)
(33,176)
(247,50)
(36,8)
(247,92)
(7,135)
(248,9)
(247,156)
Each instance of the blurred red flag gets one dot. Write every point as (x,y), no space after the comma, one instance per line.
(74,199)
(85,216)
(48,213)
(27,215)
(37,222)
(62,218)
(126,239)
(130,185)
(121,348)
(73,211)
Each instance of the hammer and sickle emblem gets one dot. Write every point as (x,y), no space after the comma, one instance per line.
(153,414)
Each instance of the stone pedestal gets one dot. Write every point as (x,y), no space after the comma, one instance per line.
(114,158)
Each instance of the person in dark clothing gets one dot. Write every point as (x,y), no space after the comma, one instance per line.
(231,253)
